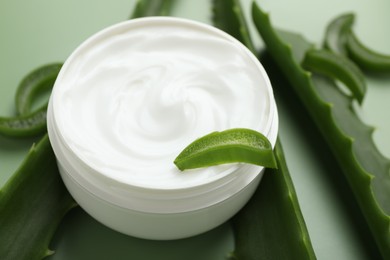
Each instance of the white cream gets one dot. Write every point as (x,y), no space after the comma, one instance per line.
(130,98)
(129,102)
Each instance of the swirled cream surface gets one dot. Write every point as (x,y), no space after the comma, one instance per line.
(130,98)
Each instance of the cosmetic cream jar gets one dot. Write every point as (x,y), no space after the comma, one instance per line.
(130,98)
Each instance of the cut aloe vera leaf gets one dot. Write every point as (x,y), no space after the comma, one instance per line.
(336,33)
(338,67)
(37,81)
(230,146)
(341,39)
(30,123)
(364,167)
(32,204)
(366,58)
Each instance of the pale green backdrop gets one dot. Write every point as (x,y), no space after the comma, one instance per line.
(33,33)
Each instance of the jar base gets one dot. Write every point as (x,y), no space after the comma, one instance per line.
(157,226)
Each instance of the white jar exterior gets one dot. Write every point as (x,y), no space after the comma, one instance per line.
(154,212)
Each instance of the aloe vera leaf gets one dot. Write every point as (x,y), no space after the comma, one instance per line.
(365,168)
(229,146)
(32,204)
(145,8)
(339,67)
(30,123)
(253,226)
(40,79)
(366,58)
(22,126)
(341,39)
(336,32)
(272,228)
(229,17)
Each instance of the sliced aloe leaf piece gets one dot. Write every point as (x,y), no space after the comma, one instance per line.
(25,125)
(336,32)
(338,67)
(229,146)
(37,81)
(341,39)
(365,57)
(30,123)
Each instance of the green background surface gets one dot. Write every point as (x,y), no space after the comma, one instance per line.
(34,33)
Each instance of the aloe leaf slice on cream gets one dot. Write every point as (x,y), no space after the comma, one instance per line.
(229,146)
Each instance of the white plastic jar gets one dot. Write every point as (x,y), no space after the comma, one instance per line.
(130,98)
